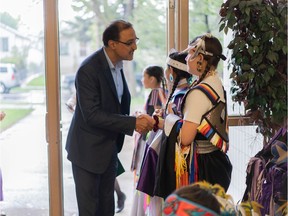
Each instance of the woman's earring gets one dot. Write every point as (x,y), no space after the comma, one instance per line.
(171,78)
(199,66)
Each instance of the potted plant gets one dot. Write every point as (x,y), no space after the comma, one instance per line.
(258,60)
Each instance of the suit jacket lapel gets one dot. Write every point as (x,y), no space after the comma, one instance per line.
(108,76)
(126,97)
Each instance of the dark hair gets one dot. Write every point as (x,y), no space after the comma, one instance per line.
(112,32)
(199,195)
(212,45)
(180,57)
(180,74)
(157,72)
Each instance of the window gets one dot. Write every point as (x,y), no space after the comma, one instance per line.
(4,45)
(83,49)
(64,48)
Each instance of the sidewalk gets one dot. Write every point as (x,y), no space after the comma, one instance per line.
(24,165)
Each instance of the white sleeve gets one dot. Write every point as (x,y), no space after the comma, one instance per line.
(196,105)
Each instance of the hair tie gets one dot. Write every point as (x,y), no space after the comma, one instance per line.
(221,56)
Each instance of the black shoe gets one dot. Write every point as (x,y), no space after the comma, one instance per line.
(120,203)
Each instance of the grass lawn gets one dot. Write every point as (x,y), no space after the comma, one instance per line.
(13,116)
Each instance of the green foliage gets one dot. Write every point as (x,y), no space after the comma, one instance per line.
(38,81)
(258,59)
(204,17)
(8,20)
(13,116)
(149,20)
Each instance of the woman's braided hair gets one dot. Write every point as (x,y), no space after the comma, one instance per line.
(180,74)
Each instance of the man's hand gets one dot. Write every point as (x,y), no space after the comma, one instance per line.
(144,123)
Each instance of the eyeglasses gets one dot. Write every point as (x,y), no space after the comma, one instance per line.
(130,42)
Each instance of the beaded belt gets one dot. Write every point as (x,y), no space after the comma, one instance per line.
(204,147)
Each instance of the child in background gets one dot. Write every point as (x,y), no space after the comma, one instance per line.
(153,78)
(2,116)
(178,81)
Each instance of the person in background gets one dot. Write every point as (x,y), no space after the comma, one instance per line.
(178,81)
(153,78)
(203,198)
(121,196)
(2,116)
(101,120)
(193,199)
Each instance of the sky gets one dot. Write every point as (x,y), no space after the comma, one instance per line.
(31,13)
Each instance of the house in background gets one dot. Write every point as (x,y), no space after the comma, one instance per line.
(22,50)
(72,52)
(10,38)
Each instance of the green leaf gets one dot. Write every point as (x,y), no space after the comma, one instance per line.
(251,76)
(259,58)
(250,50)
(266,77)
(246,67)
(271,71)
(226,30)
(272,56)
(284,50)
(242,5)
(255,42)
(277,44)
(233,3)
(247,12)
(221,27)
(269,9)
(268,35)
(256,49)
(262,66)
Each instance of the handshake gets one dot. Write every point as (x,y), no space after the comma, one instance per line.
(144,123)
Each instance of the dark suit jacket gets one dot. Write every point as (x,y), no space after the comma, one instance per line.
(100,122)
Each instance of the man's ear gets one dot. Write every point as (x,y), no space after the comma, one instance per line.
(112,44)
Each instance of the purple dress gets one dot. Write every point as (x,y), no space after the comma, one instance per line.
(1,190)
(148,170)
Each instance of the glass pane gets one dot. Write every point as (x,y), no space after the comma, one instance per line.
(23,147)
(80,35)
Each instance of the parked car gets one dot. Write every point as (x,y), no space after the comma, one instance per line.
(68,82)
(9,77)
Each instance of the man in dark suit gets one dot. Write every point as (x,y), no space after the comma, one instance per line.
(101,120)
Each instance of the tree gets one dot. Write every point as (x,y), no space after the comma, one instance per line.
(8,20)
(204,17)
(148,18)
(258,59)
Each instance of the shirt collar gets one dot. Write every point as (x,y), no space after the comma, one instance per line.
(119,64)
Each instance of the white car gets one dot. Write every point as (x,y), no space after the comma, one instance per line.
(9,77)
